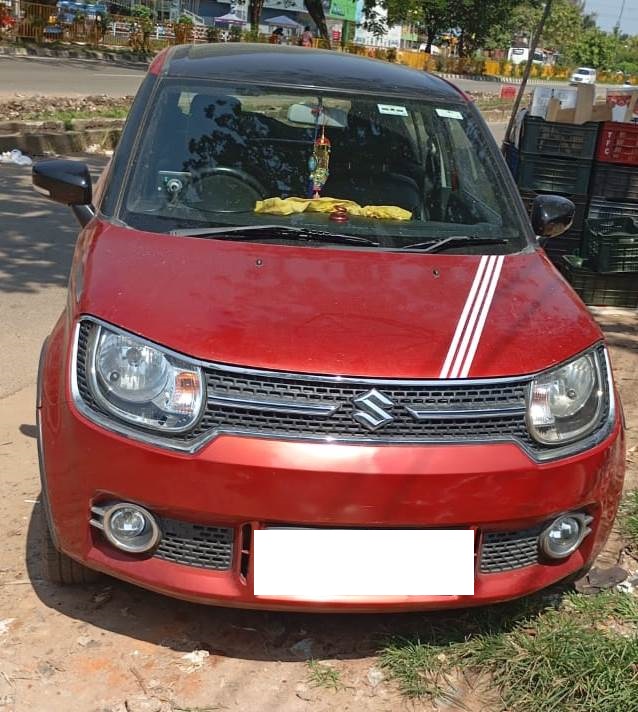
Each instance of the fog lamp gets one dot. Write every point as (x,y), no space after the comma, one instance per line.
(131,528)
(564,535)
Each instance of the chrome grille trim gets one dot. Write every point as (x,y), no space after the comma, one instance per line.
(275,406)
(450,414)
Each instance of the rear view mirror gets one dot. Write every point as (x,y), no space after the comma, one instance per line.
(307,115)
(66,182)
(552,215)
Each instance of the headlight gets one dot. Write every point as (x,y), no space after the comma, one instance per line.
(566,404)
(143,384)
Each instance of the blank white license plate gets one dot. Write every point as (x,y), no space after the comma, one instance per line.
(330,563)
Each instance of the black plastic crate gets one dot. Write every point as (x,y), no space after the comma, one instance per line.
(580,201)
(614,182)
(512,157)
(568,176)
(608,210)
(568,244)
(612,246)
(549,138)
(605,290)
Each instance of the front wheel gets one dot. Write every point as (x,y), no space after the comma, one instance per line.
(58,567)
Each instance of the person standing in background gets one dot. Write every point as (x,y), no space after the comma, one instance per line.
(306,37)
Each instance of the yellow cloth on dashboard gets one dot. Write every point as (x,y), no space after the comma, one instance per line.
(290,206)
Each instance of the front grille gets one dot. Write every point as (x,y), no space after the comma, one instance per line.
(504,551)
(196,545)
(275,404)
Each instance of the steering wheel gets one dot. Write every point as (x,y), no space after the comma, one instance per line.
(243,196)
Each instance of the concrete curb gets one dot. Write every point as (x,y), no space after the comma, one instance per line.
(30,50)
(42,138)
(498,80)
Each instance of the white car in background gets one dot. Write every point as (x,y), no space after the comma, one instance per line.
(583,75)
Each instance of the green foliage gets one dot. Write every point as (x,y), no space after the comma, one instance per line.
(628,518)
(324,675)
(141,28)
(141,12)
(577,657)
(473,20)
(594,48)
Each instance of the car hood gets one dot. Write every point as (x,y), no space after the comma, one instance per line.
(334,311)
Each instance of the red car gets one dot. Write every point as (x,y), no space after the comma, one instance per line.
(313,356)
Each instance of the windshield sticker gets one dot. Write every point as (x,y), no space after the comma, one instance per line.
(392,110)
(448,114)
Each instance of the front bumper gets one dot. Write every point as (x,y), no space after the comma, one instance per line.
(247,483)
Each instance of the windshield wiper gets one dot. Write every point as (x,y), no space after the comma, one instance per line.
(277,232)
(453,241)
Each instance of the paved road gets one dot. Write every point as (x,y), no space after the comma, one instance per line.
(66,77)
(69,77)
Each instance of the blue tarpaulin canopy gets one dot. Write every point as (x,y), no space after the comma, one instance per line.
(229,19)
(285,22)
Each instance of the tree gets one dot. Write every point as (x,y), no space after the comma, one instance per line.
(255,8)
(594,48)
(431,16)
(316,11)
(476,18)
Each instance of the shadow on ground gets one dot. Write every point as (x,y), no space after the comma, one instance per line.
(37,236)
(261,635)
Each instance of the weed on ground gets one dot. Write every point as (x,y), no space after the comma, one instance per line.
(578,655)
(324,675)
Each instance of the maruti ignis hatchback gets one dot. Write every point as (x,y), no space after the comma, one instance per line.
(313,356)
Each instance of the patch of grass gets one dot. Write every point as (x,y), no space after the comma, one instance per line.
(580,656)
(68,116)
(628,518)
(323,675)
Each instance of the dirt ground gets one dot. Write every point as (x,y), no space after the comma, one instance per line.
(113,647)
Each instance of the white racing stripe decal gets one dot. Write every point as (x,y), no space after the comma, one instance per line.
(467,364)
(473,317)
(462,321)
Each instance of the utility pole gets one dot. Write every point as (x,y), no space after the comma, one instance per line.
(620,14)
(528,68)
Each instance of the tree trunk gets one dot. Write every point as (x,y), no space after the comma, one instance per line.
(461,46)
(315,10)
(254,13)
(428,44)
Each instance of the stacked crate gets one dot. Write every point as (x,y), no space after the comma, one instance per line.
(557,159)
(605,272)
(614,187)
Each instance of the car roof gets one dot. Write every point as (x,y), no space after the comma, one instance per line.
(302,67)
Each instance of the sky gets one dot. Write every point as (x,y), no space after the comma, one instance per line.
(608,11)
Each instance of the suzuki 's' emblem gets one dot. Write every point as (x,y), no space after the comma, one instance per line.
(372,409)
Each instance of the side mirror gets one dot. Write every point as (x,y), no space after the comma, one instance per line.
(552,215)
(66,182)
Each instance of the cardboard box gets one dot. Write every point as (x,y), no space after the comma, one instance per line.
(542,95)
(601,112)
(585,97)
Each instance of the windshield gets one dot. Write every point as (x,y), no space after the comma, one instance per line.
(399,171)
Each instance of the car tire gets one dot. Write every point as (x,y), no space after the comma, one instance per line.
(59,568)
